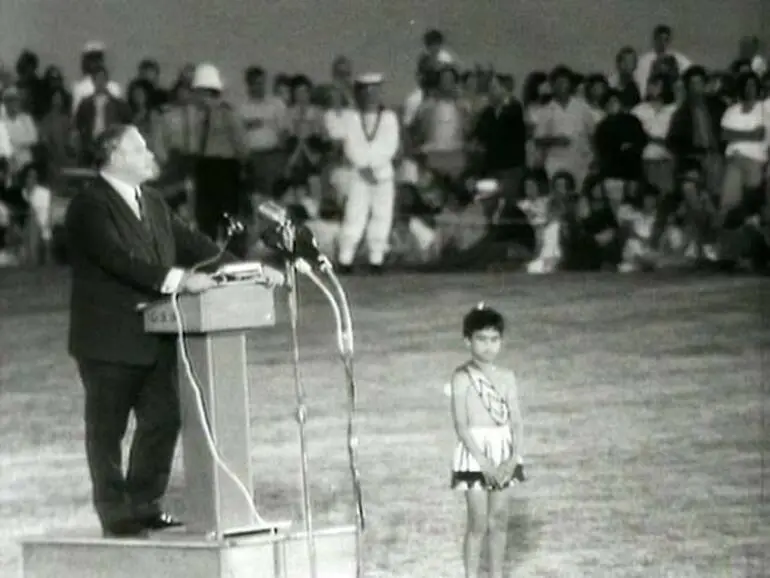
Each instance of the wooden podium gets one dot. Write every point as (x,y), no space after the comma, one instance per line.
(215,324)
(222,537)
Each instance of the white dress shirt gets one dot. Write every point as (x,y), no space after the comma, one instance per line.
(736,119)
(84,88)
(130,195)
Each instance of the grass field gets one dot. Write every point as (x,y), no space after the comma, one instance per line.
(642,397)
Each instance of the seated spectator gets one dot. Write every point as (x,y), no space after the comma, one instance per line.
(698,213)
(638,222)
(38,228)
(538,206)
(282,88)
(22,131)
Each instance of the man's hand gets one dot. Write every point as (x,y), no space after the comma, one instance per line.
(197,283)
(273,277)
(368,175)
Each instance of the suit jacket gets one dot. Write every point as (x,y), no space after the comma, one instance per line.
(680,132)
(503,135)
(118,263)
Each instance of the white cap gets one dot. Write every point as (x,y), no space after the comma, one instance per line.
(94,46)
(370,78)
(207,76)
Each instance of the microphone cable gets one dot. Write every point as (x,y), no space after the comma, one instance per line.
(197,389)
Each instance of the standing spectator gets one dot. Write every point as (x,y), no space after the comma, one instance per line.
(749,51)
(97,112)
(567,129)
(536,96)
(695,132)
(92,61)
(501,133)
(624,79)
(149,72)
(53,84)
(218,154)
(620,140)
(30,85)
(38,231)
(282,88)
(265,121)
(597,93)
(655,115)
(144,116)
(342,79)
(22,130)
(472,98)
(661,48)
(370,144)
(305,125)
(435,48)
(336,172)
(6,149)
(57,137)
(443,128)
(745,129)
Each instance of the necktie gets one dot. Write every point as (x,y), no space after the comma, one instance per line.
(140,207)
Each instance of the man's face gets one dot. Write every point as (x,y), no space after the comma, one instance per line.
(100,81)
(628,63)
(369,95)
(697,85)
(257,86)
(662,41)
(485,345)
(149,74)
(343,71)
(132,159)
(561,86)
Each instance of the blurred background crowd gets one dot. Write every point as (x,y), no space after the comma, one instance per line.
(659,162)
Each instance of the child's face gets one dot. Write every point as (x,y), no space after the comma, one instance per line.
(485,345)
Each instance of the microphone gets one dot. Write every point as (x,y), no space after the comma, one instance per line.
(274,213)
(296,242)
(233,225)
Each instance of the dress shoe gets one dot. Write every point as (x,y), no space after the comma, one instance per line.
(125,529)
(159,521)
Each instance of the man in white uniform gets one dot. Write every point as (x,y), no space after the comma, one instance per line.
(370,138)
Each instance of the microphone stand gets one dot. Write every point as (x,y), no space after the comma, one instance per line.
(293,300)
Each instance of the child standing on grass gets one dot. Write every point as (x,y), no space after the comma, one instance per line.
(487,460)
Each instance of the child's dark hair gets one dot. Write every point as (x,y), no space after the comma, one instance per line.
(480,318)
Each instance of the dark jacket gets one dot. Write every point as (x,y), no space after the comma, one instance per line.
(503,136)
(680,133)
(118,263)
(619,141)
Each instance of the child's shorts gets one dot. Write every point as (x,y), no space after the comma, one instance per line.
(497,444)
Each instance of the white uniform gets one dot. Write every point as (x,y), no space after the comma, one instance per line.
(370,140)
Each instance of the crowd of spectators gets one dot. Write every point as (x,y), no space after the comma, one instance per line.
(661,161)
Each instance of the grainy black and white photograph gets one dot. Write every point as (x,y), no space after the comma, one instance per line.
(385,289)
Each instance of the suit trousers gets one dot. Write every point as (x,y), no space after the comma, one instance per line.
(112,391)
(368,210)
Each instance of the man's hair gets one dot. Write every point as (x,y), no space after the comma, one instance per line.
(107,142)
(480,318)
(433,37)
(661,29)
(623,52)
(149,64)
(252,73)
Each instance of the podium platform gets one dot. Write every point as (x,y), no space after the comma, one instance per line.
(224,536)
(172,554)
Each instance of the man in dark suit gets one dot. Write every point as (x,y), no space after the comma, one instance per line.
(126,247)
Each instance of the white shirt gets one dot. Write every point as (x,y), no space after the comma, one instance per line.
(128,193)
(39,199)
(333,122)
(369,142)
(412,106)
(264,122)
(644,67)
(84,88)
(6,149)
(656,123)
(736,119)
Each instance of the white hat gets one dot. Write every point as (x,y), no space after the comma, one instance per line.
(94,46)
(370,78)
(207,76)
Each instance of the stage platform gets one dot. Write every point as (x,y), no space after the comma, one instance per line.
(177,554)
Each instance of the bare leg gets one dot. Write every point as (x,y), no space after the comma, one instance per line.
(475,531)
(498,516)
